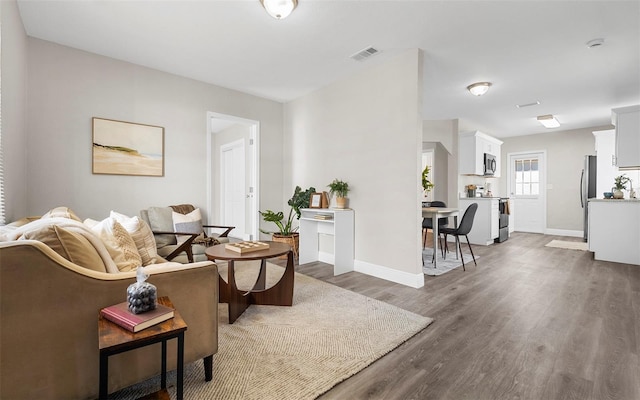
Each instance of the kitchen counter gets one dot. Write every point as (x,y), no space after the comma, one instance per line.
(614,230)
(479,198)
(614,200)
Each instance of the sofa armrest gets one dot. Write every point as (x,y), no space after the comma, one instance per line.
(49,321)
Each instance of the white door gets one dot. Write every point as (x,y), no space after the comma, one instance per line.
(527,190)
(232,183)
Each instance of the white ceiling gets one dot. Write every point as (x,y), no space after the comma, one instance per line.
(530,50)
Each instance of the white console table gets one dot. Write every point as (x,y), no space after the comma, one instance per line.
(340,226)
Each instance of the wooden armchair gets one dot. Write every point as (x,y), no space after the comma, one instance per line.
(194,240)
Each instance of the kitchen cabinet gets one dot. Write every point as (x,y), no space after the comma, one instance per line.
(627,123)
(614,230)
(471,149)
(606,170)
(486,224)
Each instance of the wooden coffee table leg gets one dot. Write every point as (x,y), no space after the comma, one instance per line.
(223,289)
(238,301)
(280,294)
(261,282)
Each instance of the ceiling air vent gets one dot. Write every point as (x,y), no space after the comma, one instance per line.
(364,54)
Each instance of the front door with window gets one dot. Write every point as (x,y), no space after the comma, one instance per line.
(526,189)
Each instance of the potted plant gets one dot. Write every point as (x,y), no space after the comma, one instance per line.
(620,185)
(340,189)
(426,183)
(286,232)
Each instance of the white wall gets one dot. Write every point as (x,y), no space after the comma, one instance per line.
(14,84)
(68,87)
(446,133)
(565,160)
(366,130)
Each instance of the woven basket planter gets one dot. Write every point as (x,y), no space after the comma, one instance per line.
(292,240)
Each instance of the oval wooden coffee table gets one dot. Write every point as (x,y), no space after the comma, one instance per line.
(280,294)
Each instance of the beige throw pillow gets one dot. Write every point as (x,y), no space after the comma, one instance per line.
(187,223)
(119,243)
(62,212)
(142,236)
(70,245)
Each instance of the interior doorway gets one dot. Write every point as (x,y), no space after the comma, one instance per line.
(233,164)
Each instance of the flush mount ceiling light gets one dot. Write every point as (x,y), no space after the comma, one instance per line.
(548,121)
(479,88)
(279,9)
(592,44)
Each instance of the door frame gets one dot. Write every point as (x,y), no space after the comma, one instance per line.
(542,154)
(254,180)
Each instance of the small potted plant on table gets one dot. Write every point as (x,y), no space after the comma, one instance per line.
(340,189)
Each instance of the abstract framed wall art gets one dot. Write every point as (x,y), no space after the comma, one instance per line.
(127,148)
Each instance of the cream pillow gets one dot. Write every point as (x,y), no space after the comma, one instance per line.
(63,212)
(142,236)
(119,243)
(187,223)
(70,245)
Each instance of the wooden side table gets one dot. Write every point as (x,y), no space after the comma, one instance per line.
(114,339)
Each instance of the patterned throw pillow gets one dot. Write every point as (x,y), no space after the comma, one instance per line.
(142,236)
(187,223)
(119,243)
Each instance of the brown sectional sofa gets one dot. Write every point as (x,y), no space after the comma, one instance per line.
(49,317)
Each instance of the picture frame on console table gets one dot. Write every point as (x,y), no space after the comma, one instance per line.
(316,200)
(127,148)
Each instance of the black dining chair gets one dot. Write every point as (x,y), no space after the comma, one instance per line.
(463,229)
(427,224)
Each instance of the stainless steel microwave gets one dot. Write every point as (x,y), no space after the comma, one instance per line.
(489,164)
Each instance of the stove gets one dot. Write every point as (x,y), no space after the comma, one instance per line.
(503,224)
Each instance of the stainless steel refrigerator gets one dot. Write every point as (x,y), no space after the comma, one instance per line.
(587,189)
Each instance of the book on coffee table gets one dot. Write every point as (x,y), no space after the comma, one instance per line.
(120,315)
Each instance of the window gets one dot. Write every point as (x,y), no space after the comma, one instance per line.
(527,179)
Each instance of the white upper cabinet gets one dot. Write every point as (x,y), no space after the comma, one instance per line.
(627,122)
(471,149)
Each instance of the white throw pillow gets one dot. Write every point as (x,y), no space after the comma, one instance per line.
(141,234)
(119,243)
(187,223)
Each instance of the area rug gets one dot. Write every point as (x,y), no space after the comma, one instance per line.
(443,266)
(298,352)
(564,244)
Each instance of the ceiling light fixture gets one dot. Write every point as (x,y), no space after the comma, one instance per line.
(535,103)
(548,121)
(479,88)
(592,44)
(279,9)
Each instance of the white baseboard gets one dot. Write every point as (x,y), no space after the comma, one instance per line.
(386,273)
(404,278)
(563,232)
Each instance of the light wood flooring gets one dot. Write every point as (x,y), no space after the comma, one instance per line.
(529,322)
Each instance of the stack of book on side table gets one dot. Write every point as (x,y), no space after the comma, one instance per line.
(323,216)
(119,314)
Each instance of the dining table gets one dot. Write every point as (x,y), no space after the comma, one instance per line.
(439,212)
